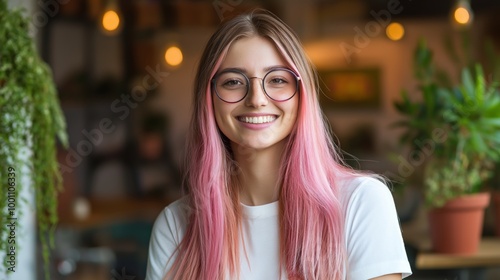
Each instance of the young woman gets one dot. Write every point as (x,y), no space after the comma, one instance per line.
(268,196)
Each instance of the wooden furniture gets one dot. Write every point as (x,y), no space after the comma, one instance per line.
(106,211)
(467,266)
(488,255)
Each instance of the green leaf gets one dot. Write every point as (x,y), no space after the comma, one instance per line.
(468,83)
(491,122)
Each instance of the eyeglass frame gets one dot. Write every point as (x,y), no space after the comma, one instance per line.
(297,79)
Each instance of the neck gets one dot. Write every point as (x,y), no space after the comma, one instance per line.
(259,174)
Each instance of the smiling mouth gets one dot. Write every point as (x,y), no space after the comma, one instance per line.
(258,120)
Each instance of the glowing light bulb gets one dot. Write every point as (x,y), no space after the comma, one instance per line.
(110,20)
(461,15)
(395,31)
(173,56)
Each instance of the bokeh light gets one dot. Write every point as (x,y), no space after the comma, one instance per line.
(461,15)
(395,31)
(173,56)
(110,20)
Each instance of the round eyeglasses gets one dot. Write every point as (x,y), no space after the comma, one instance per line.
(279,84)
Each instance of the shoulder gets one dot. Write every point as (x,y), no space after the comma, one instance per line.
(168,231)
(363,189)
(367,203)
(373,237)
(171,223)
(175,216)
(179,207)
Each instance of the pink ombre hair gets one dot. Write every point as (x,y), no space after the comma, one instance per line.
(311,219)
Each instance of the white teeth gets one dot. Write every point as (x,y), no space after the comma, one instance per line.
(260,119)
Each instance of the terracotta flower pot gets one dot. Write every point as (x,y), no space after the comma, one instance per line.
(496,211)
(457,226)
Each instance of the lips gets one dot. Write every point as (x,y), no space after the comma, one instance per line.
(257,119)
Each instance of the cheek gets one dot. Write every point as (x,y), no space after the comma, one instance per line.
(222,114)
(218,112)
(292,111)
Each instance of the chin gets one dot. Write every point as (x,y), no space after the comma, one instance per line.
(258,145)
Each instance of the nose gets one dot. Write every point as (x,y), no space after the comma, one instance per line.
(256,96)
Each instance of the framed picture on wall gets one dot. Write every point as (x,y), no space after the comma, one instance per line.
(350,88)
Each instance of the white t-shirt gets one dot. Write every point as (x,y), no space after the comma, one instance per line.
(372,235)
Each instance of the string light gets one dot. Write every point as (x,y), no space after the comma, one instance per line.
(395,31)
(462,13)
(110,20)
(173,56)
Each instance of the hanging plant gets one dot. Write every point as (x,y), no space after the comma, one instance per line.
(30,120)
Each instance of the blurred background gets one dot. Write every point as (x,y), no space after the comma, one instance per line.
(124,70)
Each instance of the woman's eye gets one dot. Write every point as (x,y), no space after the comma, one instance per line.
(277,81)
(233,83)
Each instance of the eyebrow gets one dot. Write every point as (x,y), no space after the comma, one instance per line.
(266,69)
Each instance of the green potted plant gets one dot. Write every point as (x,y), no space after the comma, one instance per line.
(30,120)
(461,128)
(494,184)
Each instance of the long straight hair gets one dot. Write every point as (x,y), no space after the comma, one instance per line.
(311,217)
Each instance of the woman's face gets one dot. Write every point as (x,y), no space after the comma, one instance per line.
(257,121)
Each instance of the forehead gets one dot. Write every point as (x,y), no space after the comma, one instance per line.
(253,54)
